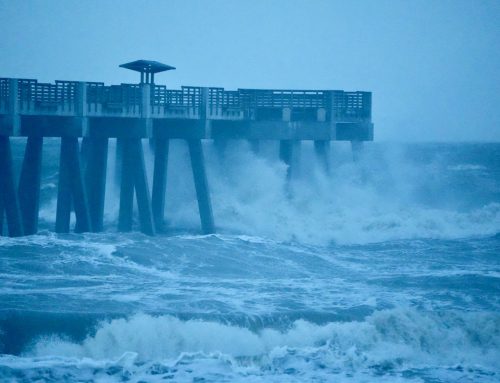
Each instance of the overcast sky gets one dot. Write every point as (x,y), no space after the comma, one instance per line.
(432,65)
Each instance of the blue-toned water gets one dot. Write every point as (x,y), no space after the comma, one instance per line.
(386,270)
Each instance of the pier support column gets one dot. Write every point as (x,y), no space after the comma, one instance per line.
(220,145)
(322,150)
(356,148)
(124,152)
(85,151)
(254,146)
(160,181)
(134,175)
(201,185)
(118,161)
(71,189)
(63,212)
(8,192)
(289,154)
(95,178)
(29,184)
(152,144)
(142,190)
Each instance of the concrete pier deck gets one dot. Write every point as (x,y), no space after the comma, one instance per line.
(85,115)
(88,109)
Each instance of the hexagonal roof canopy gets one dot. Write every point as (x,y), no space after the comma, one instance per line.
(147,66)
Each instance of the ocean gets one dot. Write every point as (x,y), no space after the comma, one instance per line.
(385,269)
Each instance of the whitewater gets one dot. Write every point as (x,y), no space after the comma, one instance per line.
(384,269)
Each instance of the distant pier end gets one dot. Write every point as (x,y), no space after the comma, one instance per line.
(96,112)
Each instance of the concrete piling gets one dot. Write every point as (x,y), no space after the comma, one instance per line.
(160,181)
(322,150)
(134,176)
(118,161)
(201,185)
(286,151)
(356,148)
(29,184)
(126,185)
(85,151)
(220,145)
(142,189)
(71,189)
(63,212)
(254,146)
(8,190)
(289,153)
(95,179)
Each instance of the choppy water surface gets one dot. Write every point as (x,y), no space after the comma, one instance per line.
(385,270)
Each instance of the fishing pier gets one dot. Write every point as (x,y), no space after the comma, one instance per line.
(85,115)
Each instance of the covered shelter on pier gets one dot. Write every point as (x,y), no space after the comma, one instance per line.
(147,69)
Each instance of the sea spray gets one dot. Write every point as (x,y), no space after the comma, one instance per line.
(388,194)
(391,336)
(386,270)
(388,343)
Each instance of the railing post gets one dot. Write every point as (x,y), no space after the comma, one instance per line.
(146,100)
(322,147)
(81,99)
(367,108)
(204,104)
(205,113)
(146,108)
(333,117)
(14,106)
(367,103)
(81,106)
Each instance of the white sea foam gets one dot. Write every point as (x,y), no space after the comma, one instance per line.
(396,340)
(378,198)
(49,239)
(374,200)
(466,167)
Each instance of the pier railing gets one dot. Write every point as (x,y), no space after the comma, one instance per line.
(98,99)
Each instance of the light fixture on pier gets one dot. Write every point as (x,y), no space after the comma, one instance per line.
(147,68)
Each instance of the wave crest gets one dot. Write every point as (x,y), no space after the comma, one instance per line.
(403,335)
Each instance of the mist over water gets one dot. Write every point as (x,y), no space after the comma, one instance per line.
(384,269)
(393,191)
(387,195)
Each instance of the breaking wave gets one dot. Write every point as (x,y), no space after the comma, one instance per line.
(394,342)
(384,196)
(384,270)
(392,192)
